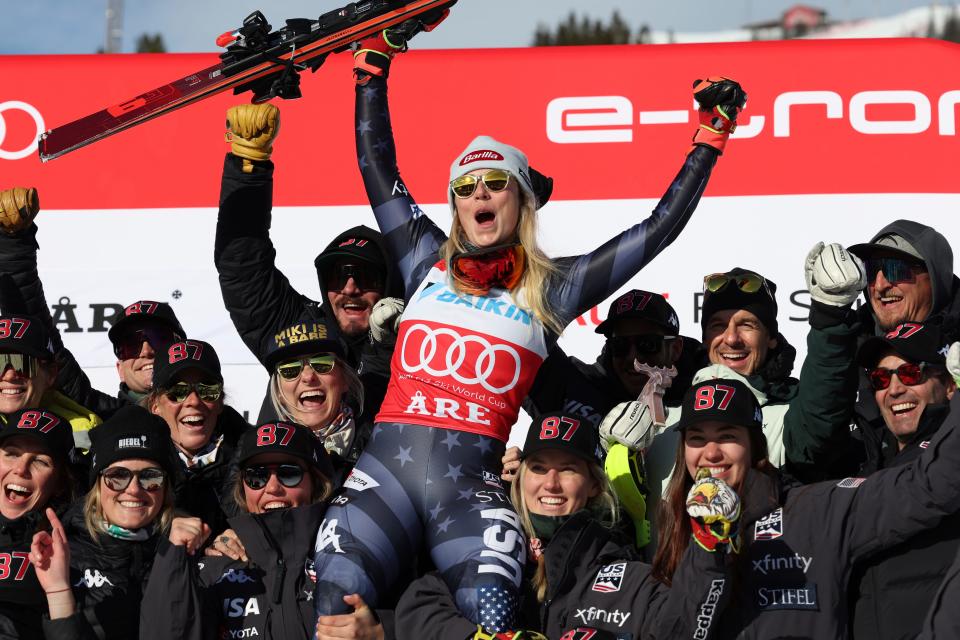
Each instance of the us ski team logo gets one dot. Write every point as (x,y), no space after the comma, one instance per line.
(610,577)
(770,526)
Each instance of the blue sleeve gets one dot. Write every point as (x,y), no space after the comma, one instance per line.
(413,239)
(587,280)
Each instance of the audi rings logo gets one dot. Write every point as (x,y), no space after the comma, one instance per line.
(30,110)
(491,364)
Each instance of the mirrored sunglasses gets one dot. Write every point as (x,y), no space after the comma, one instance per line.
(746,282)
(180,391)
(130,344)
(257,476)
(895,270)
(494,180)
(909,374)
(365,277)
(321,363)
(21,363)
(118,478)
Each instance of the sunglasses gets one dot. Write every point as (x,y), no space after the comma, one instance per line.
(909,374)
(291,369)
(895,270)
(182,390)
(21,363)
(365,277)
(494,180)
(257,477)
(118,478)
(129,345)
(746,282)
(642,344)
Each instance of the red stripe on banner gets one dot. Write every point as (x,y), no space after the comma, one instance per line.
(857,116)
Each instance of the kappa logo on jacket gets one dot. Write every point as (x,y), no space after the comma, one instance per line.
(93,580)
(770,526)
(610,577)
(238,576)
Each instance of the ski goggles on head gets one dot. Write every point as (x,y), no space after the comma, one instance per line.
(646,344)
(118,478)
(895,270)
(129,345)
(909,374)
(321,363)
(494,180)
(180,391)
(365,277)
(21,363)
(746,282)
(257,476)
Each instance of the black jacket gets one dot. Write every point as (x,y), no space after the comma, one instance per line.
(108,577)
(261,299)
(801,543)
(216,597)
(207,492)
(891,592)
(22,602)
(943,619)
(595,584)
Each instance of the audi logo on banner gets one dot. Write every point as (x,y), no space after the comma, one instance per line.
(442,352)
(34,113)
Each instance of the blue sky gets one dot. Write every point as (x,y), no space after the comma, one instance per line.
(77,26)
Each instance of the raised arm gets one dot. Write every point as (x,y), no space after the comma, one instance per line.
(413,238)
(592,277)
(259,298)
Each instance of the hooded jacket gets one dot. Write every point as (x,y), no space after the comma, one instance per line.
(108,577)
(891,592)
(596,587)
(261,300)
(801,542)
(216,597)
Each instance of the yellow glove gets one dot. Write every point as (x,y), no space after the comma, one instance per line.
(251,129)
(18,207)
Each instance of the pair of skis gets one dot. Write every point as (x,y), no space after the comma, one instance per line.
(256,59)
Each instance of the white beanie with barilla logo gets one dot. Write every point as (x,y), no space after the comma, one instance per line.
(484,152)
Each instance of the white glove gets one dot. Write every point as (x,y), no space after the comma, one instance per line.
(385,319)
(834,275)
(630,424)
(953,362)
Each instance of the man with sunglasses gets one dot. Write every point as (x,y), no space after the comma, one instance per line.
(354,271)
(907,369)
(910,275)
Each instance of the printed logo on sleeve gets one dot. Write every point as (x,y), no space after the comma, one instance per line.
(851,483)
(492,479)
(610,577)
(359,481)
(769,527)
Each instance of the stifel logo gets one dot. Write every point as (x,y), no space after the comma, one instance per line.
(592,119)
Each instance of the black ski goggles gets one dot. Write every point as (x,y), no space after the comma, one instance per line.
(366,277)
(909,374)
(118,478)
(494,180)
(21,363)
(256,477)
(643,345)
(129,345)
(180,391)
(894,270)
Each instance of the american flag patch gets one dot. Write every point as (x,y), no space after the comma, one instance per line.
(851,483)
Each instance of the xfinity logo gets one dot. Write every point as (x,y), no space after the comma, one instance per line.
(772,564)
(602,615)
(603,119)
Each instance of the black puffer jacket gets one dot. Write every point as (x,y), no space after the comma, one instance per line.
(597,588)
(108,577)
(207,492)
(22,602)
(216,597)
